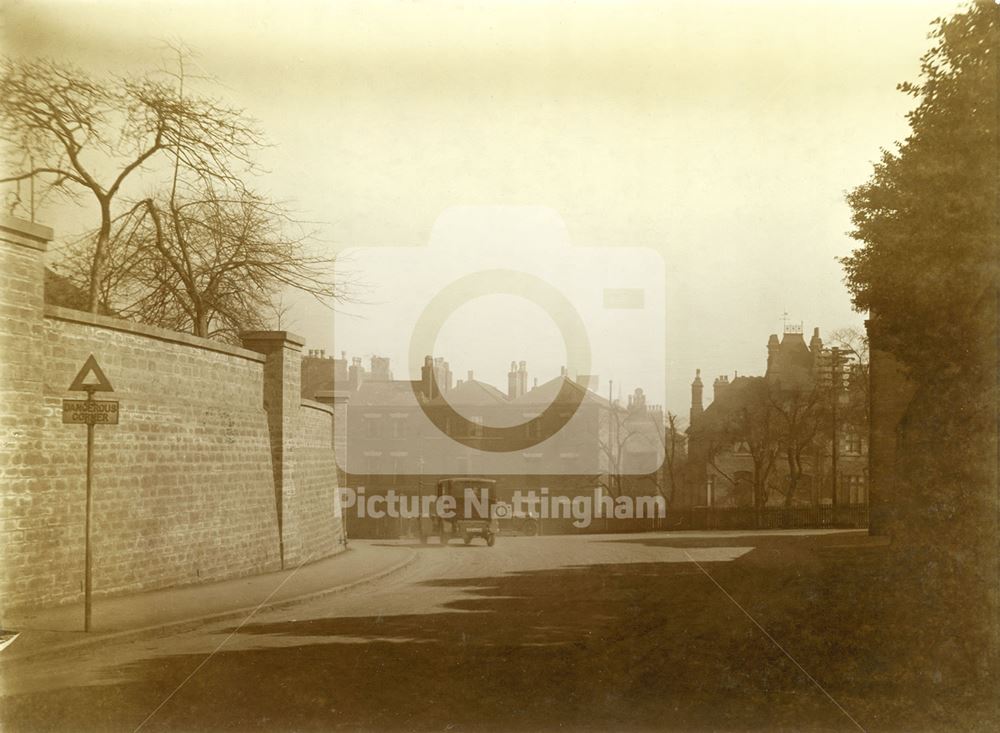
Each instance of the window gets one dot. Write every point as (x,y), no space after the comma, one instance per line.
(852,443)
(398,428)
(476,426)
(373,428)
(855,486)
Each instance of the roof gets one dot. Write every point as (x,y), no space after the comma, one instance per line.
(398,392)
(563,387)
(472,393)
(792,362)
(736,395)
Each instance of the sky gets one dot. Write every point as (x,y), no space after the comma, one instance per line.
(698,152)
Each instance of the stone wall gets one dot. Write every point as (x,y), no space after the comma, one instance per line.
(318,513)
(193,483)
(29,560)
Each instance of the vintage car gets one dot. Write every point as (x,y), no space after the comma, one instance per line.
(472,514)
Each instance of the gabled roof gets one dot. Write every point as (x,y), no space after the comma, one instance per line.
(472,393)
(551,390)
(398,392)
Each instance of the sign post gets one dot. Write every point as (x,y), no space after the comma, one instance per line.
(89,412)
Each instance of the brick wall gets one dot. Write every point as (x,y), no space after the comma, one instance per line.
(190,486)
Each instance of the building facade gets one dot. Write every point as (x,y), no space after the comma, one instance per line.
(795,437)
(405,435)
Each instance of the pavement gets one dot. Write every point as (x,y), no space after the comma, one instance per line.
(53,630)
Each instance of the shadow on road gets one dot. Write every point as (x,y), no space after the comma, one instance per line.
(599,647)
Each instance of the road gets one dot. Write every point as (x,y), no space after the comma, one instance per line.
(607,632)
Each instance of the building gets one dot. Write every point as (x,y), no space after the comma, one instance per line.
(324,373)
(404,435)
(796,436)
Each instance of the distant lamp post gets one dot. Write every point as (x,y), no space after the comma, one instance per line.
(837,360)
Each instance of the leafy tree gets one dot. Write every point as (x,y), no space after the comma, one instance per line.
(927,272)
(927,218)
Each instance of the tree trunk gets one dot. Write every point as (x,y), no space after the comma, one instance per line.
(99,263)
(200,325)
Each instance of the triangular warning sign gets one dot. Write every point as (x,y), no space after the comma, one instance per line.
(91,378)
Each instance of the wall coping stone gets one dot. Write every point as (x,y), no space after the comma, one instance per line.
(333,396)
(23,232)
(160,334)
(313,405)
(267,341)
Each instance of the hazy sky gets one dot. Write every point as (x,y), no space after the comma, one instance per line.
(721,135)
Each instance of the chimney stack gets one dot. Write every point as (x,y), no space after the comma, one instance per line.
(355,373)
(772,349)
(517,379)
(697,406)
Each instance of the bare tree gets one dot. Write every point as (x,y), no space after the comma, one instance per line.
(278,313)
(674,441)
(853,343)
(211,266)
(77,134)
(800,415)
(612,439)
(755,425)
(623,428)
